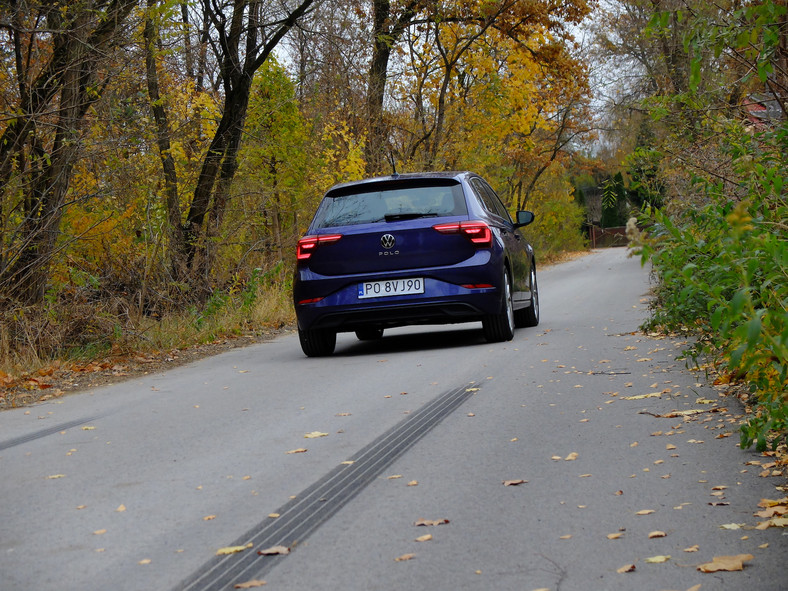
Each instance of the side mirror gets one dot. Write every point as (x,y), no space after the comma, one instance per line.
(524,218)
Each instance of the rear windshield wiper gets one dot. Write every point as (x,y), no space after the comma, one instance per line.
(396,217)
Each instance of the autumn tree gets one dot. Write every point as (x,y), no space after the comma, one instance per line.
(59,54)
(273,171)
(392,22)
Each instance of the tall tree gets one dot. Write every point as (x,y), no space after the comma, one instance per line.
(244,33)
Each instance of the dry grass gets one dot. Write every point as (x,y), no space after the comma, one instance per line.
(33,339)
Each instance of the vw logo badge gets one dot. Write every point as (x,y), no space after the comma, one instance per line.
(387,241)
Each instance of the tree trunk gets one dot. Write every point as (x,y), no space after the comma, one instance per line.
(177,248)
(385,33)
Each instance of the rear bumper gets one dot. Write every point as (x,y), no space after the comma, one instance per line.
(391,314)
(444,300)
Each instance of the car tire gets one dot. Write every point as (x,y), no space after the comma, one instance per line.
(529,316)
(500,327)
(369,334)
(317,342)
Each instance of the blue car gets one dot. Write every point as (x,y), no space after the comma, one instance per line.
(426,248)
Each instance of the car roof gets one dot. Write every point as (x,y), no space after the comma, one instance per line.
(446,175)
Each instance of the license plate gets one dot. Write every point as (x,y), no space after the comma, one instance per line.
(390,287)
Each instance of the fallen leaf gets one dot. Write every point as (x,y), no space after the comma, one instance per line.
(657,534)
(300,450)
(670,446)
(766,503)
(348,462)
(615,536)
(627,568)
(657,559)
(121,509)
(231,550)
(694,548)
(273,515)
(424,538)
(643,396)
(274,550)
(732,526)
(145,561)
(209,518)
(343,414)
(773,522)
(571,457)
(404,557)
(645,512)
(514,482)
(420,522)
(55,476)
(99,532)
(566,537)
(776,511)
(249,584)
(88,428)
(725,563)
(315,435)
(413,483)
(394,477)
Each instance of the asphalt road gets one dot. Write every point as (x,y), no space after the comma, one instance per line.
(138,485)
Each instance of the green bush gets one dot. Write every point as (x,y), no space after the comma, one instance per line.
(723,272)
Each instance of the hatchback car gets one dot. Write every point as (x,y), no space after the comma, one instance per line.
(406,249)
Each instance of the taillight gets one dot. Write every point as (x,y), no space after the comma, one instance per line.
(477,232)
(308,244)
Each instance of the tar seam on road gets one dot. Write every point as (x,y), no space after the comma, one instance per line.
(320,501)
(44,432)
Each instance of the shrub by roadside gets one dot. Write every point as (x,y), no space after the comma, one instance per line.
(723,274)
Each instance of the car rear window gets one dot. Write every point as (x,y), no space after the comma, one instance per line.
(389,202)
